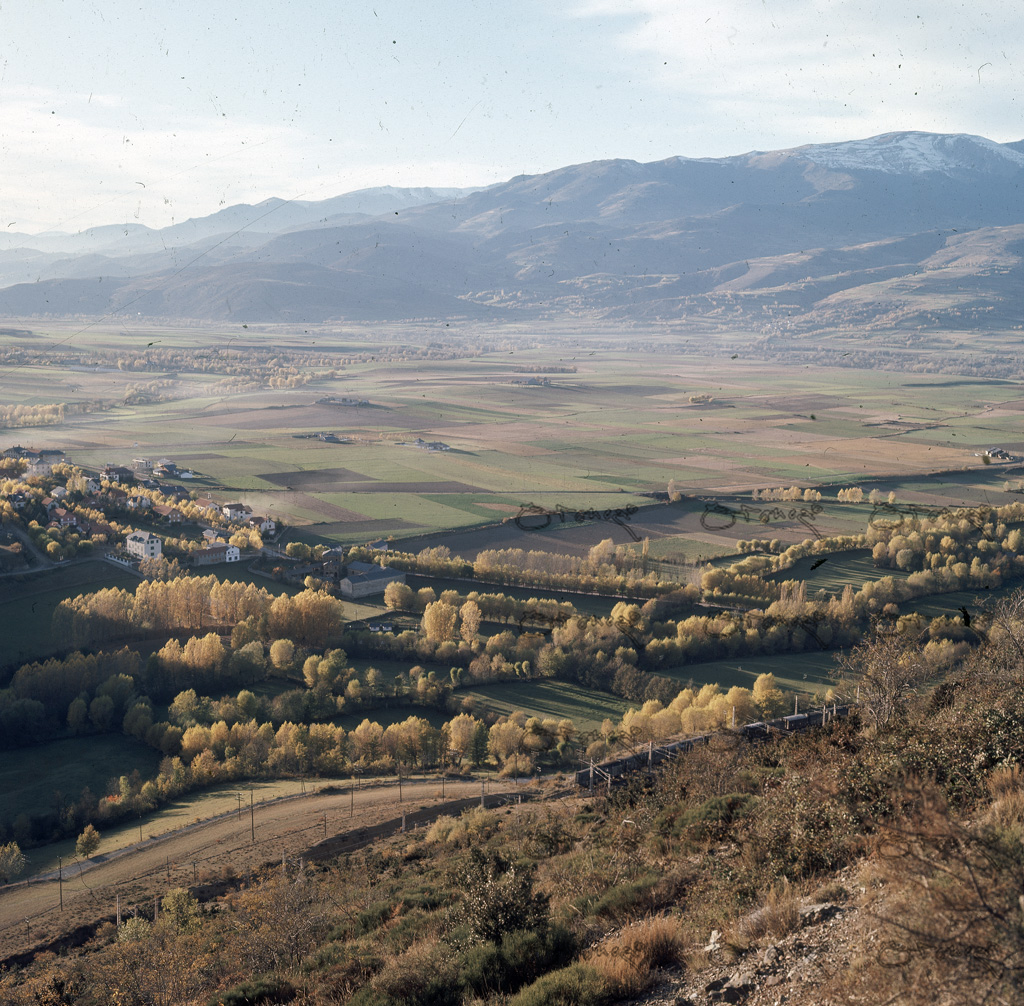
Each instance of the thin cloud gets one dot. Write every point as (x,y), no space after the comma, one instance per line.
(785,70)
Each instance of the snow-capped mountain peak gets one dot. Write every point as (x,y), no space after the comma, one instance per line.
(916,153)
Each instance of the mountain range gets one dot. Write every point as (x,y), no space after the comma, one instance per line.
(905,230)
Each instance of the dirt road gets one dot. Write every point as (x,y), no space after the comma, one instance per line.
(30,913)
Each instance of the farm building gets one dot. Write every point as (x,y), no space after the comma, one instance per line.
(365,579)
(217,552)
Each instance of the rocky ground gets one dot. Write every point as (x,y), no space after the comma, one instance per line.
(798,968)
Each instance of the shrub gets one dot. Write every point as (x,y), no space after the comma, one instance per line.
(182,909)
(713,818)
(620,901)
(134,929)
(255,992)
(576,985)
(422,976)
(498,898)
(487,969)
(373,917)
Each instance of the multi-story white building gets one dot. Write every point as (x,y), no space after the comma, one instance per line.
(143,545)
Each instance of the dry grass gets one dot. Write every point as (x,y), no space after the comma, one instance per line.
(474,825)
(1006,811)
(626,960)
(777,917)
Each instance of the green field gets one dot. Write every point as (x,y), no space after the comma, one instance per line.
(853,568)
(31,778)
(26,607)
(798,672)
(550,699)
(621,424)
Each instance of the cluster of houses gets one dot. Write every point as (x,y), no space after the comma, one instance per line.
(342,401)
(425,445)
(118,494)
(996,454)
(39,462)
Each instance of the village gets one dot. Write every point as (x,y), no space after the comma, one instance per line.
(133,517)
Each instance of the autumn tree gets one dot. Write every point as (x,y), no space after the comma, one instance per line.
(12,862)
(461,731)
(88,842)
(768,696)
(886,669)
(424,596)
(471,616)
(282,653)
(398,596)
(439,621)
(505,739)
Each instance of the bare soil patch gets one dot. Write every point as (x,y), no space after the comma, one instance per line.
(372,527)
(329,511)
(315,479)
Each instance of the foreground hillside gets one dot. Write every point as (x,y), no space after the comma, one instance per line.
(878,860)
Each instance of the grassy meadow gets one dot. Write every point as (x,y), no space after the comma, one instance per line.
(803,673)
(43,775)
(549,699)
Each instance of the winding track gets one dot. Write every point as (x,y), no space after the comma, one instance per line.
(223,848)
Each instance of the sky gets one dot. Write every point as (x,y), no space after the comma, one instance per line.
(129,111)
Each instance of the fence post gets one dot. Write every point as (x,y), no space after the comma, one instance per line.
(119,911)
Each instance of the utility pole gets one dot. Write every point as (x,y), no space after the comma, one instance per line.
(60,880)
(252,818)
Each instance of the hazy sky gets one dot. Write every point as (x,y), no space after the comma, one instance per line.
(115,111)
